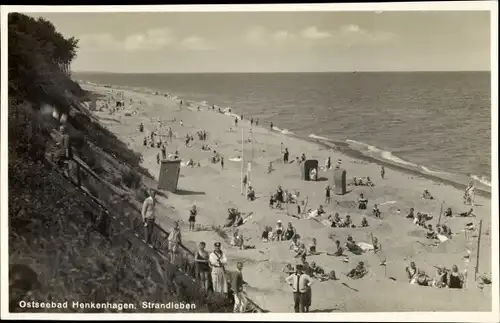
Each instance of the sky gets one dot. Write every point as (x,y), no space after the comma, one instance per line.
(297,41)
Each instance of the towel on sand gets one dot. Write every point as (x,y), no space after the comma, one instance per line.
(365,246)
(442,238)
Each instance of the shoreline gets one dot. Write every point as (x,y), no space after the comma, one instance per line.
(340,146)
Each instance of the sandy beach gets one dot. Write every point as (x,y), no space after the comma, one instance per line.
(213,190)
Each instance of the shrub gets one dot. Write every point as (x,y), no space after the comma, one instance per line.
(131,179)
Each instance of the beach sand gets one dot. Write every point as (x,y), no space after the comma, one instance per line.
(213,190)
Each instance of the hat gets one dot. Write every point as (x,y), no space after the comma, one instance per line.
(217,244)
(279,221)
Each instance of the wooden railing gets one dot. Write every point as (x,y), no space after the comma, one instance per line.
(109,196)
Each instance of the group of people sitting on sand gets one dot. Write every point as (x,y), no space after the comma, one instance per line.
(445,278)
(361,182)
(337,221)
(278,198)
(280,233)
(311,269)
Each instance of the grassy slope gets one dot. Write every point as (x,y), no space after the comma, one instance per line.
(49,229)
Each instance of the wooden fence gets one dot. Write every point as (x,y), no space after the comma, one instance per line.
(108,196)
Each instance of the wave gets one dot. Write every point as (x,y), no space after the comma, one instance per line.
(385,154)
(283,131)
(313,136)
(482,179)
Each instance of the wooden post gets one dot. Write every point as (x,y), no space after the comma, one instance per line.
(440,213)
(478,249)
(242,161)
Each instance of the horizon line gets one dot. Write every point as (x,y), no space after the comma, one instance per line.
(286,72)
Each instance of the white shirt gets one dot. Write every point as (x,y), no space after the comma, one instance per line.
(215,261)
(299,283)
(148,208)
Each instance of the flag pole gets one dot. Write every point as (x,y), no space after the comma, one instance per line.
(242,161)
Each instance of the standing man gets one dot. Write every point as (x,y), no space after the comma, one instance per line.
(286,155)
(382,172)
(240,300)
(148,216)
(300,284)
(192,218)
(328,194)
(217,261)
(174,240)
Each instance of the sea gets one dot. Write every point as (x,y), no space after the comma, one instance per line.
(433,123)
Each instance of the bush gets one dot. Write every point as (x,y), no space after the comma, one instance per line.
(131,179)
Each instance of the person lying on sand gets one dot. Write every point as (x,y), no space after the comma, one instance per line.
(354,182)
(364,223)
(358,272)
(369,182)
(411,272)
(251,194)
(448,212)
(426,195)
(376,211)
(362,202)
(467,214)
(339,252)
(411,214)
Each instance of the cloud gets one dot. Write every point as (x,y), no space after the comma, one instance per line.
(256,34)
(352,34)
(152,39)
(195,43)
(344,36)
(283,36)
(313,33)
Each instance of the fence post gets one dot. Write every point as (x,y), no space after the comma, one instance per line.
(478,250)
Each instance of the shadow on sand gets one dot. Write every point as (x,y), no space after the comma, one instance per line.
(187,192)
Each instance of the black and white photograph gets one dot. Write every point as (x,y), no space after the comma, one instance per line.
(264,162)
